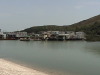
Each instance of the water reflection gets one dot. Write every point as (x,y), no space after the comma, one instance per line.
(93,47)
(79,57)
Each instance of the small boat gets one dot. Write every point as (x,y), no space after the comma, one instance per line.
(24,39)
(37,39)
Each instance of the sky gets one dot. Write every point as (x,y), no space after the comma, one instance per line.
(20,14)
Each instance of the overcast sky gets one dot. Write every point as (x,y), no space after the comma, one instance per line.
(21,14)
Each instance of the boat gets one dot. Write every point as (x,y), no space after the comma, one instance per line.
(24,39)
(37,39)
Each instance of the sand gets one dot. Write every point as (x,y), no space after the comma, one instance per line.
(10,68)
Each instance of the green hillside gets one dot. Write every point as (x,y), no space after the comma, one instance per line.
(90,26)
(37,29)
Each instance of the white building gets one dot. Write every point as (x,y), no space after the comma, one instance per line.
(2,35)
(56,32)
(63,36)
(71,34)
(80,35)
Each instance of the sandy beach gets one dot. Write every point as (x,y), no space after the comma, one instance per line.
(10,68)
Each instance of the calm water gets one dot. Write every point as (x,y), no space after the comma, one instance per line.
(78,57)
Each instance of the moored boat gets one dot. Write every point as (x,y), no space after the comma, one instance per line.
(24,39)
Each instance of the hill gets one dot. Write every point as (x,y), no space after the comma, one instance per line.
(90,26)
(37,29)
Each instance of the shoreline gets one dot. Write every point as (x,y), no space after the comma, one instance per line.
(10,68)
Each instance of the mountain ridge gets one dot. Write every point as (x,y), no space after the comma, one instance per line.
(89,26)
(90,20)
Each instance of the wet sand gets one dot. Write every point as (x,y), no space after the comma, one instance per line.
(10,68)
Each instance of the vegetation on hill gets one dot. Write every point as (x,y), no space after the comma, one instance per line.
(37,29)
(90,26)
